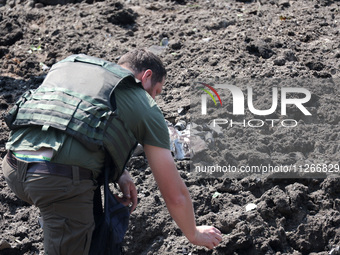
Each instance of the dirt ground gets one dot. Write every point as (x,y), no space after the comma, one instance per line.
(208,41)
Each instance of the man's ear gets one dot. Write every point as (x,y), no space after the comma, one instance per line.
(147,75)
(146,79)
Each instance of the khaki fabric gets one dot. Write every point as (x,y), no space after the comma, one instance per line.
(66,207)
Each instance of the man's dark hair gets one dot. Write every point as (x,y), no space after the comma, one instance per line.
(141,60)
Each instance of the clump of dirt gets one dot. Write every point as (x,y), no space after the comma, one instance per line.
(210,41)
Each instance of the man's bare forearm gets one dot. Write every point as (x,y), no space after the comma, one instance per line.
(177,198)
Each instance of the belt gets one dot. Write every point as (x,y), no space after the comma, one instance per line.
(47,167)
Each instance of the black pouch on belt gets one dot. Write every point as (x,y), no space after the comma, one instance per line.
(111,223)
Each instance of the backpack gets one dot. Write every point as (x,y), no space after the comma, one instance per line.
(111,223)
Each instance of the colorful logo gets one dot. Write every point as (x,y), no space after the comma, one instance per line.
(210,94)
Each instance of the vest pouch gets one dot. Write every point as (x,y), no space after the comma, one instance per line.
(11,115)
(120,143)
(47,110)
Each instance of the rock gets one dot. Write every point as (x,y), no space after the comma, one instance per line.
(284,3)
(289,55)
(4,245)
(122,17)
(337,54)
(221,24)
(228,186)
(180,125)
(138,151)
(280,61)
(29,4)
(55,2)
(11,3)
(10,32)
(177,45)
(260,49)
(3,51)
(315,65)
(39,5)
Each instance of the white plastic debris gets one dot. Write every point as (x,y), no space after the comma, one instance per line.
(43,66)
(216,194)
(208,39)
(250,207)
(164,41)
(179,142)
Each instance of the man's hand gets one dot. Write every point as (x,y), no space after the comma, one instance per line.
(207,236)
(177,198)
(129,191)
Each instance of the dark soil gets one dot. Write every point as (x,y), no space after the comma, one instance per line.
(209,41)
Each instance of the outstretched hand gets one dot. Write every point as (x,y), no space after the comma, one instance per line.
(207,236)
(129,191)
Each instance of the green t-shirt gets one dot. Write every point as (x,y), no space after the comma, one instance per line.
(135,107)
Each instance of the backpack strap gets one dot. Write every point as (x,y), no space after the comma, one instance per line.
(112,224)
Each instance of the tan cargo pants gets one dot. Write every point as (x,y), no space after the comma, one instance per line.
(66,207)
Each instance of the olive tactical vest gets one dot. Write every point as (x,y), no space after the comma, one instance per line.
(75,98)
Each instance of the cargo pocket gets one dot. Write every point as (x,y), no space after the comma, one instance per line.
(54,231)
(78,226)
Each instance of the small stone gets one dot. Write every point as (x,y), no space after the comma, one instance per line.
(157,199)
(280,61)
(289,55)
(130,33)
(139,150)
(176,45)
(29,4)
(39,5)
(284,3)
(11,3)
(181,125)
(316,66)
